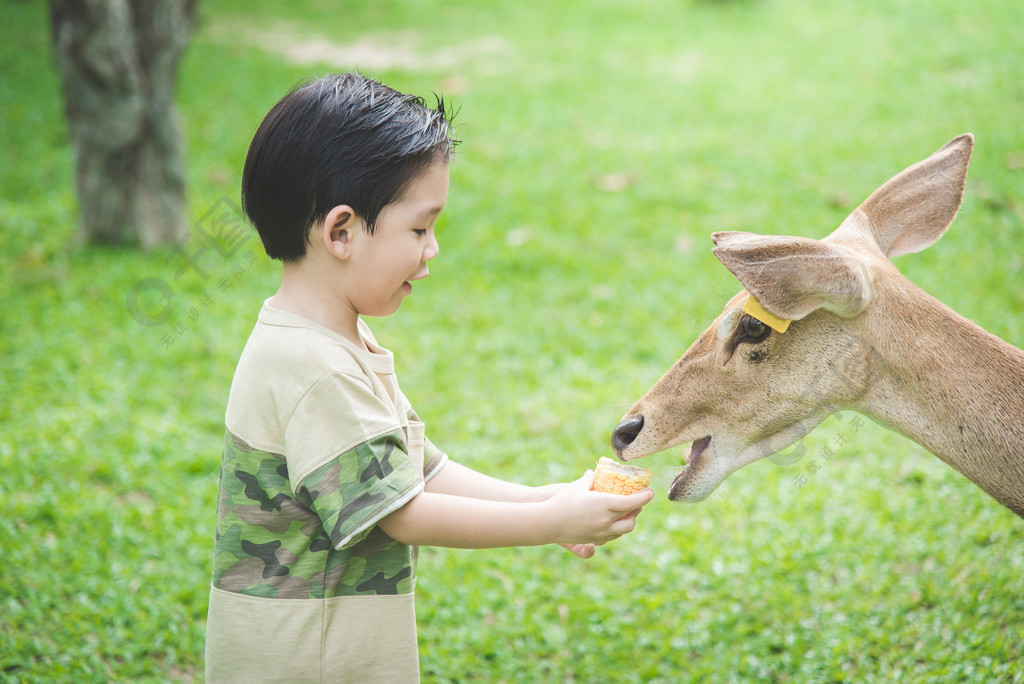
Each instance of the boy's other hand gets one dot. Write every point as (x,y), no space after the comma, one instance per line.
(581,550)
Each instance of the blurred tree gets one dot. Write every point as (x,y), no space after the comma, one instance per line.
(118,60)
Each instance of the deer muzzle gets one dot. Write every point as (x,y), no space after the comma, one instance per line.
(626,432)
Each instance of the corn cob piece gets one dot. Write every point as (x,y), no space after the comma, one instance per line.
(619,478)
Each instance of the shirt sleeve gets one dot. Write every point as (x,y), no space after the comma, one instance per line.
(433,459)
(352,492)
(336,414)
(349,458)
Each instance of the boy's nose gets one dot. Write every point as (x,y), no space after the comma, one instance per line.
(432,249)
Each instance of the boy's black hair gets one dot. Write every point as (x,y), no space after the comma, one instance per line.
(341,139)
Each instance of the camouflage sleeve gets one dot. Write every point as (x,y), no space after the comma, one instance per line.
(352,492)
(433,459)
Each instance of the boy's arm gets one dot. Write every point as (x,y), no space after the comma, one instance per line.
(455,478)
(574,515)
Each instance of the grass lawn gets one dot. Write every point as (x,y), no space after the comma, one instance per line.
(603,143)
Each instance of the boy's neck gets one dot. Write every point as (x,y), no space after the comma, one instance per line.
(305,293)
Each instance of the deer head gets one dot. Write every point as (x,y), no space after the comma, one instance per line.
(743,390)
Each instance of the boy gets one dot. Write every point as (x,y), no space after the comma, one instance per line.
(327,480)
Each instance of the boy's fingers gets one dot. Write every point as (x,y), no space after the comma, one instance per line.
(581,550)
(624,525)
(631,514)
(587,481)
(630,502)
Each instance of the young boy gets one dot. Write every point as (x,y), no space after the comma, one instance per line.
(327,480)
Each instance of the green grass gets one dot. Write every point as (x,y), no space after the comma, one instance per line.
(558,299)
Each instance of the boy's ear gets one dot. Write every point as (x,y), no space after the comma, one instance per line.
(337,230)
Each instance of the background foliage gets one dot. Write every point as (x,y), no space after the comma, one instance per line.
(603,142)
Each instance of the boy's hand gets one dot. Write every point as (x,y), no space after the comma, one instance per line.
(584,518)
(581,550)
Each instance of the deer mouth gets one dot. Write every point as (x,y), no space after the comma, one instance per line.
(693,464)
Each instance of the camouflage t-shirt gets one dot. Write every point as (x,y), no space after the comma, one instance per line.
(320,444)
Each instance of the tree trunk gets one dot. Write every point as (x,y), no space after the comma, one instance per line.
(118,60)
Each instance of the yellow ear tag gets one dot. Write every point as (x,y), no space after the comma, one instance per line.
(754,308)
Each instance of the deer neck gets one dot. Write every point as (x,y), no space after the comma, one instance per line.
(949,385)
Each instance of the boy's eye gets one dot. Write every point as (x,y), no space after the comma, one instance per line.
(420,231)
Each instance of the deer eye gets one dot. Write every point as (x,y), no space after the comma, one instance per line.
(753,330)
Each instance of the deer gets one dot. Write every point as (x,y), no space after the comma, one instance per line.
(860,337)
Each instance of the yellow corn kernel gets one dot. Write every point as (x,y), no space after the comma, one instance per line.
(619,478)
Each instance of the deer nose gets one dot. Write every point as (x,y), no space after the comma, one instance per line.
(626,431)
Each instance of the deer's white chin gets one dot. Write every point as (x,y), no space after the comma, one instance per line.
(712,459)
(697,479)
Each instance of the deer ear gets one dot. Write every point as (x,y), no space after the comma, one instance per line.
(912,210)
(793,276)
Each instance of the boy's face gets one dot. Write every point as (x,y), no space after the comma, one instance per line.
(388,261)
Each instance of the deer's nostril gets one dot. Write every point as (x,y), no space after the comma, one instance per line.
(626,432)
